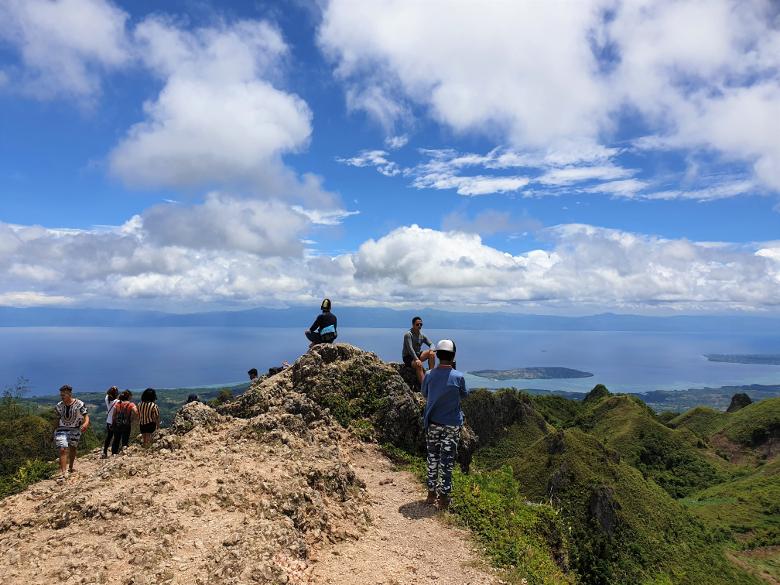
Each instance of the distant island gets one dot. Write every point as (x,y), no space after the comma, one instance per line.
(745,358)
(535,373)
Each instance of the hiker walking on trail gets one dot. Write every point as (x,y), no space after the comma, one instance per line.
(73,421)
(412,352)
(111,400)
(123,419)
(443,389)
(323,330)
(148,415)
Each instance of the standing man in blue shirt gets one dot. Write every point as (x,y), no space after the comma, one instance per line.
(443,388)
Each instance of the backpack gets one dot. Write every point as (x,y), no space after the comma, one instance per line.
(123,414)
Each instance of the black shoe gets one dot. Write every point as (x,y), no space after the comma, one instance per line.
(444,503)
(431,499)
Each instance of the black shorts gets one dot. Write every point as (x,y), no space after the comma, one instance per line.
(149,427)
(408,360)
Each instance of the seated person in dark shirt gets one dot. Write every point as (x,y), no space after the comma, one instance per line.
(323,330)
(412,352)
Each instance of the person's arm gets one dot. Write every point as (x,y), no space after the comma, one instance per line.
(426,341)
(85,424)
(156,416)
(408,345)
(462,388)
(316,325)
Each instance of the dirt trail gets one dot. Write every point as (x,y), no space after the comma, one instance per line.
(408,543)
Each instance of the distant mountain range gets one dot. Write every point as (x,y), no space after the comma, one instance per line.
(373,317)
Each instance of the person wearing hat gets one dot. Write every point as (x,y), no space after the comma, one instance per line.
(323,330)
(443,388)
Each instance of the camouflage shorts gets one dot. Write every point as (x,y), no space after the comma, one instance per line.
(442,446)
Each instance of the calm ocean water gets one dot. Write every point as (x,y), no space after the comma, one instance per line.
(93,358)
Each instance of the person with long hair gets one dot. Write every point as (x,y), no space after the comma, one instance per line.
(149,415)
(123,420)
(111,400)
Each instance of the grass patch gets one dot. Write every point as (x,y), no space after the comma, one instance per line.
(30,472)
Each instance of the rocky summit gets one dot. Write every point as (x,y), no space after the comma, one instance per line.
(243,495)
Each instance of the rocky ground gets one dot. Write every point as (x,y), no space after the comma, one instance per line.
(259,493)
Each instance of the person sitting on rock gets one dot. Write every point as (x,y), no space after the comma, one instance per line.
(323,330)
(443,388)
(412,353)
(73,421)
(123,421)
(148,415)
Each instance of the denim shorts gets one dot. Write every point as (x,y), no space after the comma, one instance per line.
(64,438)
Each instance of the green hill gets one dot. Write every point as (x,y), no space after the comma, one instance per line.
(676,459)
(623,528)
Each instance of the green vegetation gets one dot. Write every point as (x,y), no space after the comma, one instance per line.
(746,508)
(27,425)
(702,421)
(674,458)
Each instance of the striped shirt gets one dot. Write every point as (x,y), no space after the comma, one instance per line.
(71,415)
(148,412)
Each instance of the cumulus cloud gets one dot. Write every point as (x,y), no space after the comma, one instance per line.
(585,266)
(264,228)
(482,66)
(218,118)
(65,46)
(581,267)
(537,77)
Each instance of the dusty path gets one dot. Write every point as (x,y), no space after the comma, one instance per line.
(408,543)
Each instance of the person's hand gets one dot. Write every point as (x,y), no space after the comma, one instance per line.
(83,428)
(417,363)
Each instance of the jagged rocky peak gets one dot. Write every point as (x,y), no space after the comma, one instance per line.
(738,401)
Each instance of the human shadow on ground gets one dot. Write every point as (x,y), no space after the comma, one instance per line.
(417,510)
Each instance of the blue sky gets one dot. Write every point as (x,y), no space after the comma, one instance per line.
(615,155)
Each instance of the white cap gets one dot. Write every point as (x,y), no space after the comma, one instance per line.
(446,345)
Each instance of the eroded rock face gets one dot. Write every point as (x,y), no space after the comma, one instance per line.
(738,401)
(216,500)
(603,508)
(355,386)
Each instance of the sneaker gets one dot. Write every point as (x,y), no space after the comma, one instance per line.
(104,455)
(444,503)
(431,499)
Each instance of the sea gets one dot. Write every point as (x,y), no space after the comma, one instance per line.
(94,358)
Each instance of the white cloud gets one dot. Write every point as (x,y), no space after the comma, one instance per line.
(65,45)
(324,217)
(571,175)
(701,75)
(31,299)
(264,228)
(586,266)
(501,66)
(471,185)
(396,142)
(374,158)
(722,190)
(218,119)
(626,188)
(582,268)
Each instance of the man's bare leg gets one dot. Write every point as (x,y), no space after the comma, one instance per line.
(63,461)
(71,458)
(418,367)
